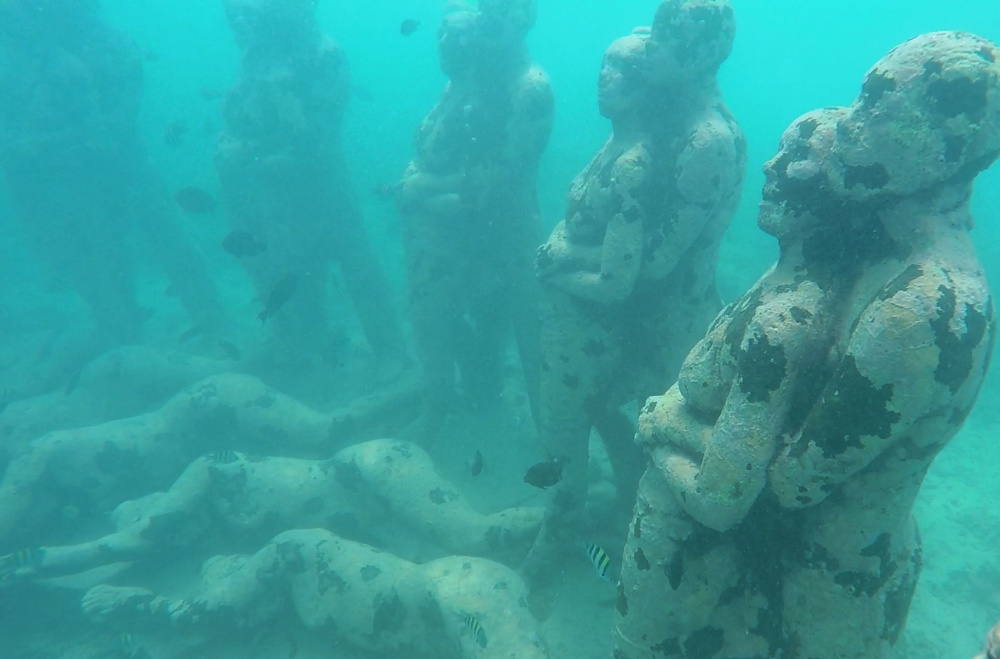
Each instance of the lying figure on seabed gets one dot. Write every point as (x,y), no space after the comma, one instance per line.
(383,492)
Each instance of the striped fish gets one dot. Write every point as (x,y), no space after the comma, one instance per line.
(129,646)
(385,191)
(7,396)
(223,457)
(599,558)
(477,630)
(174,133)
(27,557)
(21,560)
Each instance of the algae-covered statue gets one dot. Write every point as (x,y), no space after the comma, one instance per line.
(373,547)
(457,607)
(80,182)
(94,467)
(775,518)
(629,274)
(469,210)
(383,492)
(286,183)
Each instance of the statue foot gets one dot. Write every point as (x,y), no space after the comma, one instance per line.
(106,603)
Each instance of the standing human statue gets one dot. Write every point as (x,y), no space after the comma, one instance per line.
(79,179)
(629,274)
(775,518)
(469,209)
(285,183)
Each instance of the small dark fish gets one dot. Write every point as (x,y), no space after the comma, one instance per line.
(22,558)
(190,333)
(7,396)
(223,457)
(408,27)
(128,644)
(477,630)
(475,464)
(174,133)
(74,381)
(131,647)
(280,294)
(544,474)
(210,93)
(243,243)
(231,350)
(195,200)
(599,558)
(385,191)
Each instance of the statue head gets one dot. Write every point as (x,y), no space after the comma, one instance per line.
(505,23)
(928,113)
(690,39)
(927,120)
(271,22)
(457,44)
(797,177)
(61,20)
(621,85)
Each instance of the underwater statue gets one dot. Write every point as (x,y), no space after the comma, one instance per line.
(80,183)
(94,467)
(469,211)
(629,274)
(775,518)
(286,186)
(457,607)
(383,492)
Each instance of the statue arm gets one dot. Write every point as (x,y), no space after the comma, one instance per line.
(530,123)
(708,175)
(495,179)
(142,526)
(910,373)
(620,261)
(716,459)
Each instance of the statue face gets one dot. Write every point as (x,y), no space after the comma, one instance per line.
(456,44)
(503,23)
(265,21)
(690,39)
(928,111)
(244,17)
(29,20)
(620,85)
(799,173)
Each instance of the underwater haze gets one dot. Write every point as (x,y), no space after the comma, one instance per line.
(790,57)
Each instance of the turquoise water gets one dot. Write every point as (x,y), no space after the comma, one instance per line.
(790,57)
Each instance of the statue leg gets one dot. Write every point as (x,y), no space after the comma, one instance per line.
(436,300)
(402,475)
